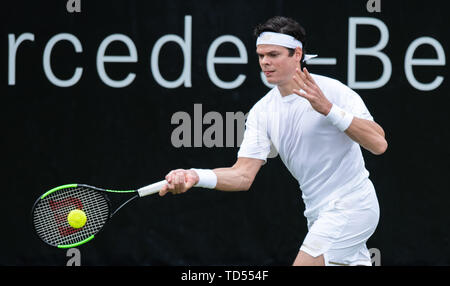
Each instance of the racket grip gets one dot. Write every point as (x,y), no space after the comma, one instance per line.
(151,189)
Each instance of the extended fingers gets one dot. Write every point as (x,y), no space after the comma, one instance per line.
(298,81)
(308,76)
(307,80)
(302,93)
(303,88)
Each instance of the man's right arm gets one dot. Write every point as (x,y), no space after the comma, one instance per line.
(239,177)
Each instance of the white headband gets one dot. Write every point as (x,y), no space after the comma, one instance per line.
(271,38)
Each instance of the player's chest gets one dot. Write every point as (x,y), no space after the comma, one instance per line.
(296,121)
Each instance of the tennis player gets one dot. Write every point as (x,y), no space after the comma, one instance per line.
(317,125)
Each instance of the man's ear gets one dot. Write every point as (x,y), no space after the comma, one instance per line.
(298,53)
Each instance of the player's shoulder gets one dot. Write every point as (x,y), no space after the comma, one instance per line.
(332,87)
(327,82)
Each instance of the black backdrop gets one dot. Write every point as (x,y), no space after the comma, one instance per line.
(120,138)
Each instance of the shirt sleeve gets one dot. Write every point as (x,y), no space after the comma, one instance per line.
(351,101)
(256,143)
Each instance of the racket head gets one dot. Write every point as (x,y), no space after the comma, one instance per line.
(50,211)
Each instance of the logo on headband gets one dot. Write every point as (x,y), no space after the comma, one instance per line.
(266,37)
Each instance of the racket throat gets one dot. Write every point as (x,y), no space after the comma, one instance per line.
(123,204)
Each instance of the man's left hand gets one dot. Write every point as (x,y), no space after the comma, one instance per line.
(308,89)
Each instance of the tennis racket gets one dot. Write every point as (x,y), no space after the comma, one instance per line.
(51,210)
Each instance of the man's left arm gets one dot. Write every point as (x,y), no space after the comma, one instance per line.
(366,133)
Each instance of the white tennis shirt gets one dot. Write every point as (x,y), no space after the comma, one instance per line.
(325,161)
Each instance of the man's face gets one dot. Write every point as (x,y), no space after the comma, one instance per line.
(277,65)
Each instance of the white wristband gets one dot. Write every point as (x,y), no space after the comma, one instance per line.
(207,178)
(340,118)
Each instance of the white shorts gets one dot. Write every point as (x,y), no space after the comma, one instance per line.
(341,230)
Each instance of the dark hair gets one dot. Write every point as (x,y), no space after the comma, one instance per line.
(283,25)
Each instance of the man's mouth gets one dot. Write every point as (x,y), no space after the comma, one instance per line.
(267,73)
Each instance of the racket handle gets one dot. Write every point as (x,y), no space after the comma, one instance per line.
(151,189)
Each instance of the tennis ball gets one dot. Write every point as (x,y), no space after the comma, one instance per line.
(77,218)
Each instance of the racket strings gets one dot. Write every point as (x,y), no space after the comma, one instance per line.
(50,215)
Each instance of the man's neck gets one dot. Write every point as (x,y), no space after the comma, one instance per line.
(286,89)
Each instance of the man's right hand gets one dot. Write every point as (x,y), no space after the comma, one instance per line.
(179,181)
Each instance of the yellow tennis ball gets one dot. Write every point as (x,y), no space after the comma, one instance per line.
(77,218)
